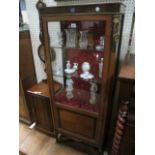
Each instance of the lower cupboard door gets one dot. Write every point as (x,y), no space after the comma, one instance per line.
(77,123)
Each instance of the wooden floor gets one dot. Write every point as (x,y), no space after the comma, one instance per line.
(33,142)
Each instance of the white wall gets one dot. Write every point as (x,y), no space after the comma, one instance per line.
(34,31)
(127,26)
(34,27)
(132,47)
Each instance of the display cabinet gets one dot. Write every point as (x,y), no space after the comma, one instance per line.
(81,51)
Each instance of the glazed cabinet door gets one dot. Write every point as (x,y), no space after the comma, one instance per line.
(77,54)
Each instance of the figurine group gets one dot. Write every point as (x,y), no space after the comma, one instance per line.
(86,75)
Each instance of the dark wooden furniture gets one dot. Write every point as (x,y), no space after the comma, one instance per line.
(21,153)
(124,134)
(76,118)
(40,104)
(26,72)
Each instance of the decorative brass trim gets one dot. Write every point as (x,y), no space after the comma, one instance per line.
(116,30)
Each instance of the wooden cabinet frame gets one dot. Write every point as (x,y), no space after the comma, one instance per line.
(98,121)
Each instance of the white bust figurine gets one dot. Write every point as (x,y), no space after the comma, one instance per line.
(86,74)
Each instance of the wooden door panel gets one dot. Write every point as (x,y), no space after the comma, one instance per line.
(77,123)
(42,112)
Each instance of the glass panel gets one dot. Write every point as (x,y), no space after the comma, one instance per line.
(77,62)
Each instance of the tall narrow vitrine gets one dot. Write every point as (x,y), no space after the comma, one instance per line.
(81,52)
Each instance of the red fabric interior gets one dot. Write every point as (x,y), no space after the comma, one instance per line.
(80,100)
(81,90)
(91,56)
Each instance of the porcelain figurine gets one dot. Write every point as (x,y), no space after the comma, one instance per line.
(69,82)
(69,88)
(86,74)
(68,64)
(93,90)
(75,66)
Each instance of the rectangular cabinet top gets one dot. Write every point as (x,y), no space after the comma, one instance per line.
(101,8)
